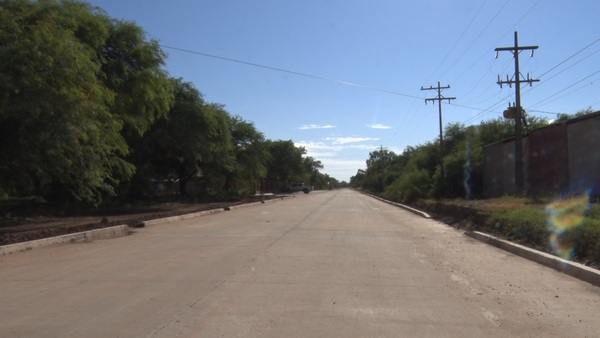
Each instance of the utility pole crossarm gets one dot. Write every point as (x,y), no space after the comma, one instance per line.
(439,99)
(518,48)
(517,80)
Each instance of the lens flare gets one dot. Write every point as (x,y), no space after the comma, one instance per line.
(563,217)
(468,168)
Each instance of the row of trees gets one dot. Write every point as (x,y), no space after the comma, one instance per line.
(88,114)
(416,173)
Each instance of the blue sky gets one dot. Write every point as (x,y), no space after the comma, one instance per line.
(343,77)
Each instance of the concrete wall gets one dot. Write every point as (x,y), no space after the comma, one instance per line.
(548,159)
(559,158)
(584,154)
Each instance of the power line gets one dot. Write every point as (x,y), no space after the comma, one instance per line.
(569,58)
(461,36)
(543,112)
(564,70)
(474,40)
(290,72)
(497,42)
(564,89)
(484,111)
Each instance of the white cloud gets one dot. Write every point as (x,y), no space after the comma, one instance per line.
(378,126)
(318,150)
(345,140)
(339,155)
(316,145)
(341,169)
(315,126)
(321,150)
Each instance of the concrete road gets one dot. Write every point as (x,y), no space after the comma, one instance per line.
(326,264)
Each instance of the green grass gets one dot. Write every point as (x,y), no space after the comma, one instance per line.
(526,224)
(576,227)
(569,228)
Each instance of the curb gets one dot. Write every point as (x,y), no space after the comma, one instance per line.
(203,213)
(181,217)
(413,210)
(253,204)
(405,207)
(112,232)
(78,237)
(570,268)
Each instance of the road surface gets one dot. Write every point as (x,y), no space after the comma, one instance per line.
(324,264)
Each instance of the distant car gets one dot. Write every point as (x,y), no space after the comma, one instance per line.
(299,187)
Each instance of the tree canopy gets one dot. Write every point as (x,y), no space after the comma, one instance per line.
(89,114)
(59,136)
(416,173)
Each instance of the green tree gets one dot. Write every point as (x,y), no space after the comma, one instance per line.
(251,156)
(358,181)
(566,117)
(60,140)
(496,130)
(413,184)
(193,139)
(311,168)
(132,68)
(378,170)
(463,167)
(251,153)
(285,161)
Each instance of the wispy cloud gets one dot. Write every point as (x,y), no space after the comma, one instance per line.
(319,149)
(342,169)
(316,126)
(322,149)
(346,140)
(337,154)
(379,126)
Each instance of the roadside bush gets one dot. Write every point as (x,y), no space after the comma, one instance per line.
(587,243)
(531,225)
(411,186)
(527,225)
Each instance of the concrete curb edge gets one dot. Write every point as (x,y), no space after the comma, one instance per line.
(405,207)
(203,213)
(573,269)
(181,217)
(110,232)
(78,237)
(570,268)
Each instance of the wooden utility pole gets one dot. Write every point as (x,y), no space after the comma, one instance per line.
(439,99)
(516,49)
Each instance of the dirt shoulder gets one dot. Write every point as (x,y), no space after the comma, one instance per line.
(17,229)
(28,227)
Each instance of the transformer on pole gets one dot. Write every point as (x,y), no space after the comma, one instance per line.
(518,109)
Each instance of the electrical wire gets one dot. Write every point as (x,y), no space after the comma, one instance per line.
(290,72)
(569,58)
(496,43)
(553,96)
(475,40)
(459,38)
(562,71)
(483,112)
